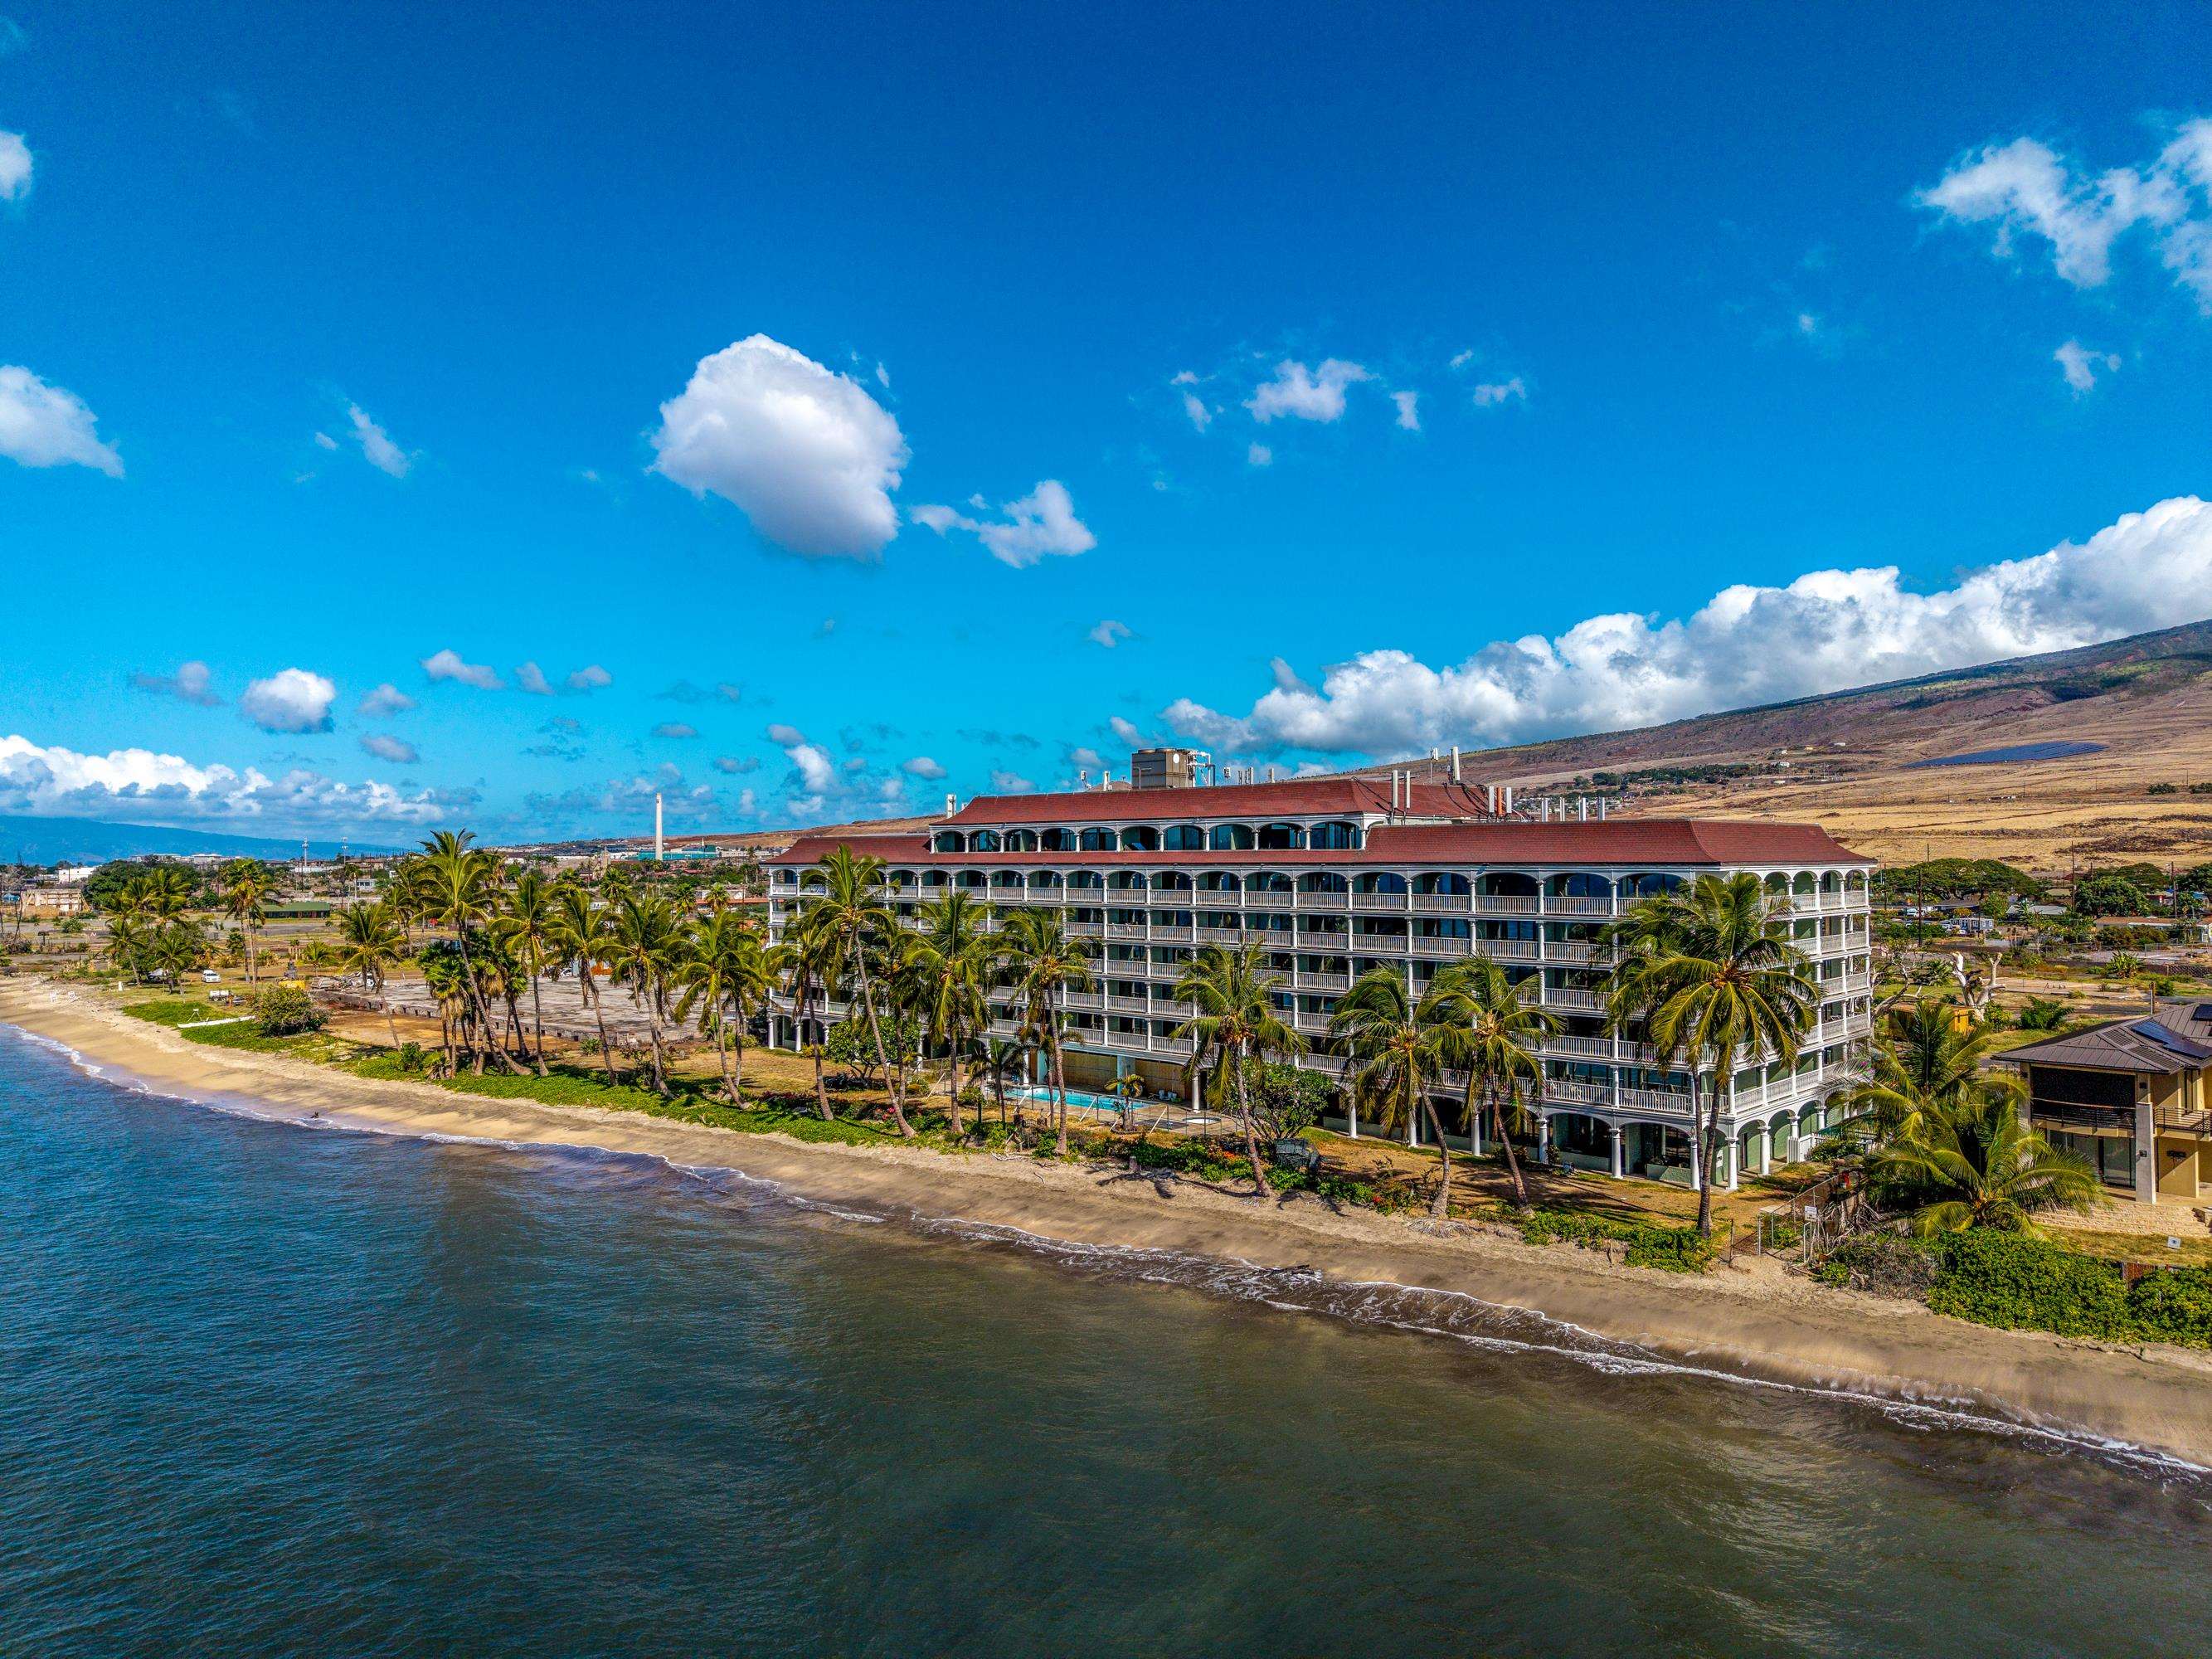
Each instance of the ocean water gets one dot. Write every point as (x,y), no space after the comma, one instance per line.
(269,1388)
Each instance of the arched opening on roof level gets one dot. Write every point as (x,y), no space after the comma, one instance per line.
(984,840)
(1182,838)
(1231,838)
(1281,837)
(1096,840)
(1507,883)
(1140,838)
(1335,836)
(1379,881)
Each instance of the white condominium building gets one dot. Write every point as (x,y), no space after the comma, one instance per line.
(1335,876)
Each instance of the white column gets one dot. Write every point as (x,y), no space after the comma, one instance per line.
(1727,1170)
(1766,1148)
(2146,1154)
(1543,1137)
(1617,1169)
(1475,1129)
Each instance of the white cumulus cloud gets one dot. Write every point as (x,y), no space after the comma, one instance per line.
(447,665)
(2080,365)
(1491,393)
(2024,190)
(398,750)
(532,678)
(15,166)
(923,768)
(1110,633)
(386,699)
(1749,645)
(189,683)
(290,700)
(376,446)
(1041,524)
(1409,413)
(1010,783)
(43,425)
(808,456)
(44,779)
(1259,455)
(591,678)
(1305,394)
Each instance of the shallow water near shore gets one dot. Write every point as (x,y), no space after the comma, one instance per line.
(263,1388)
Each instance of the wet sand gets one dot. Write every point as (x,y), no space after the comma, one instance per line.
(1755,1321)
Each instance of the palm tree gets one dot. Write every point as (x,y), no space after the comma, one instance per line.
(176,950)
(580,936)
(523,929)
(457,883)
(852,914)
(1489,1029)
(951,966)
(647,947)
(245,885)
(167,891)
(370,939)
(1710,975)
(810,958)
(1047,962)
(1400,1044)
(448,978)
(1235,1021)
(1001,1059)
(1928,1055)
(727,974)
(1971,1162)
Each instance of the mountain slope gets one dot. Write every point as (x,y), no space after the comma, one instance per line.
(89,840)
(2138,710)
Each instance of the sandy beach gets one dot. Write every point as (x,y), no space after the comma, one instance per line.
(1756,1321)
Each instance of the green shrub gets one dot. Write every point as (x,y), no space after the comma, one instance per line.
(2021,1283)
(1671,1250)
(285,1010)
(2172,1304)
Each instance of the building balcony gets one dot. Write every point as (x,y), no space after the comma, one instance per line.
(1379,901)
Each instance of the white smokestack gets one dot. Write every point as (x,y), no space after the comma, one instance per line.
(658,848)
(1455,764)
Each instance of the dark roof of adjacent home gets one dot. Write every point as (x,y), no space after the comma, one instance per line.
(1631,843)
(2143,1045)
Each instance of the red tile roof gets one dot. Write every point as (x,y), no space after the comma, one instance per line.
(1630,842)
(1295,796)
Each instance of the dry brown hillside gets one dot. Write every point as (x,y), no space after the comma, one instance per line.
(1848,760)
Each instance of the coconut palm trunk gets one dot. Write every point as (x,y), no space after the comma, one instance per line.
(1505,1146)
(538,1023)
(1440,1207)
(1059,1094)
(876,1036)
(599,1018)
(1244,1118)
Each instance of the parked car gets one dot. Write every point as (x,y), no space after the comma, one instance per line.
(208,977)
(1296,1154)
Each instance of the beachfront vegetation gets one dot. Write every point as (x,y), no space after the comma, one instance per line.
(1709,975)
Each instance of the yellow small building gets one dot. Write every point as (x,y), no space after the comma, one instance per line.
(2131,1098)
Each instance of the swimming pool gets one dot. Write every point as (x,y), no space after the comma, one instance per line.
(1081,1099)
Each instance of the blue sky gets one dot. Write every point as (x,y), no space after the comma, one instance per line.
(822,384)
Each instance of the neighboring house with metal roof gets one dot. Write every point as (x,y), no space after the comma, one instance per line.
(2131,1098)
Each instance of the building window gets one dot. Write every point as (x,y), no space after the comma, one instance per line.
(1182,838)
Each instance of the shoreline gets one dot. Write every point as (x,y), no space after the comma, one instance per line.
(1755,1323)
